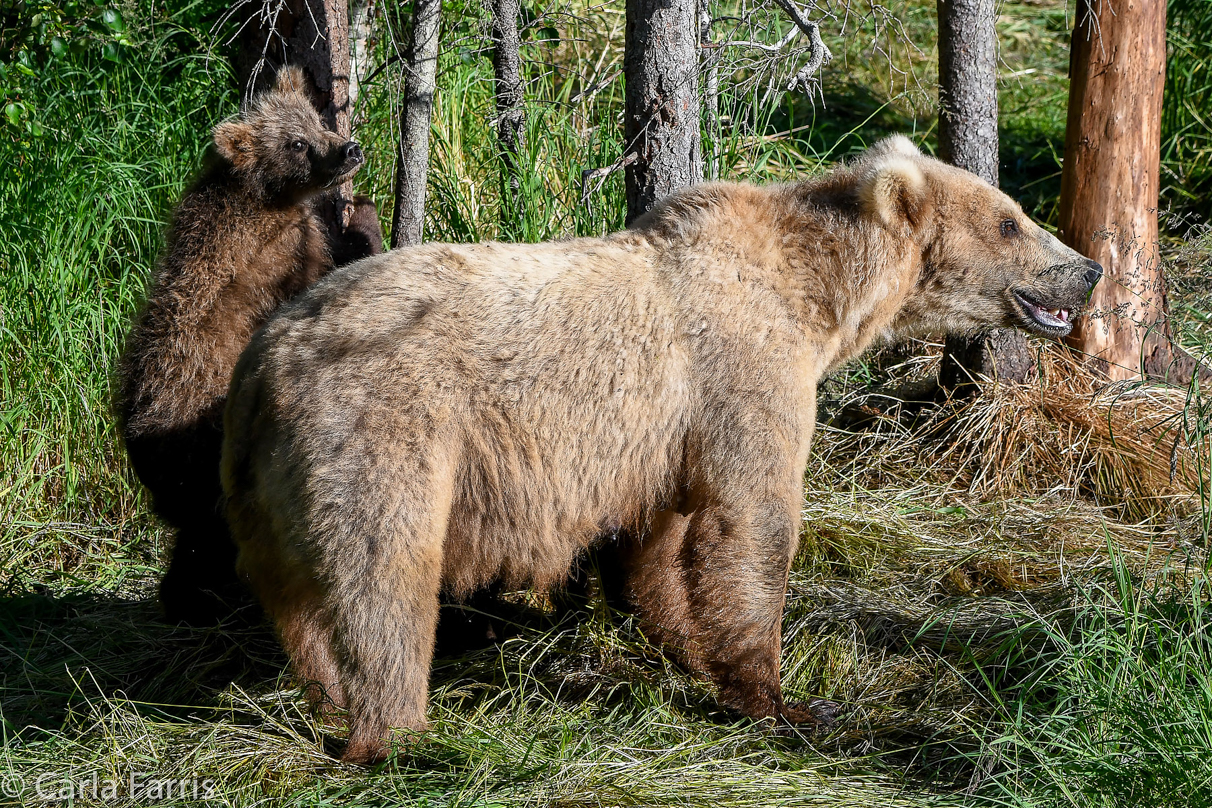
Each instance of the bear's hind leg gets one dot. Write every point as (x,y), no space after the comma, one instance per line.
(382,564)
(295,603)
(386,620)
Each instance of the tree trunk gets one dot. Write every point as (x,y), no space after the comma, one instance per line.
(412,166)
(511,117)
(967,86)
(661,114)
(1110,182)
(313,34)
(709,60)
(361,45)
(967,137)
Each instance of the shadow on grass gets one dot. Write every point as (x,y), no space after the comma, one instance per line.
(60,651)
(63,653)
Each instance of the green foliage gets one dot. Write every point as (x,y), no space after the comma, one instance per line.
(1187,108)
(82,206)
(40,37)
(1114,702)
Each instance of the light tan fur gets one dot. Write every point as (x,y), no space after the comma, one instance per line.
(445,415)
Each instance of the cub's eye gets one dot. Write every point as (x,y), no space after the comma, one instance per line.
(301,146)
(1009,228)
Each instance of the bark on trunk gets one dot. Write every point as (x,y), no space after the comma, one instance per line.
(511,116)
(412,166)
(361,45)
(313,34)
(967,126)
(1110,182)
(967,85)
(710,68)
(661,115)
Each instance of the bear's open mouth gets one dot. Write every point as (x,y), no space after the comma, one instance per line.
(1051,321)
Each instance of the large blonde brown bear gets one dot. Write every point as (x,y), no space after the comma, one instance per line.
(443,416)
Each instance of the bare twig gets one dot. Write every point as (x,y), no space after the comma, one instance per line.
(818,51)
(600,174)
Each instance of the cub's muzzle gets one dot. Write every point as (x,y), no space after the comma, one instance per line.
(343,161)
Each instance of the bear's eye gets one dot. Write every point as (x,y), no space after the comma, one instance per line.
(301,146)
(1009,228)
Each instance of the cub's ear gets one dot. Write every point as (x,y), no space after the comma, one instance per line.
(893,190)
(291,79)
(234,142)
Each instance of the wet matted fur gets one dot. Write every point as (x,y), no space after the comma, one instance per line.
(441,416)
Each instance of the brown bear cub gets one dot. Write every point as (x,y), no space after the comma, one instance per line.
(437,417)
(243,239)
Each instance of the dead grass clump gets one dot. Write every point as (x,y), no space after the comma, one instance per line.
(1143,449)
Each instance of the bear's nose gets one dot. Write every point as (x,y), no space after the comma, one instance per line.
(1092,275)
(352,152)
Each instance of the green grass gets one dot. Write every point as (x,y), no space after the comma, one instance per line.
(1024,647)
(1186,125)
(1113,702)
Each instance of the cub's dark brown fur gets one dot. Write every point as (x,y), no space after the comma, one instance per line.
(244,238)
(439,417)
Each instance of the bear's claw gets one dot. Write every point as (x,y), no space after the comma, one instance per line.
(819,712)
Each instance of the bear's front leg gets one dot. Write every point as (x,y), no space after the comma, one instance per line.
(738,562)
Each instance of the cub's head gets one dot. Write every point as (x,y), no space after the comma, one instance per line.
(986,263)
(280,147)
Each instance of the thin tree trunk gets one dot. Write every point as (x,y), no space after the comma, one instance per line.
(967,126)
(1110,183)
(412,166)
(511,116)
(967,85)
(709,66)
(661,115)
(361,35)
(314,35)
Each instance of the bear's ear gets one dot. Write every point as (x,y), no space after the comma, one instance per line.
(895,144)
(291,79)
(893,190)
(234,142)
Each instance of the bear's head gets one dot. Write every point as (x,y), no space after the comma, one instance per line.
(985,263)
(279,147)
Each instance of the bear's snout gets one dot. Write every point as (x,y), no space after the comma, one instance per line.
(1093,275)
(341,161)
(1049,305)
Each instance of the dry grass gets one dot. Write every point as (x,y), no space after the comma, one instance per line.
(1142,449)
